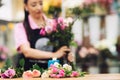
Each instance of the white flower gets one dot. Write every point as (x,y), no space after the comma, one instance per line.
(67,67)
(49,72)
(45,75)
(56,64)
(68,21)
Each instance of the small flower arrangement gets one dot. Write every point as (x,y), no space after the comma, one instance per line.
(59,32)
(58,71)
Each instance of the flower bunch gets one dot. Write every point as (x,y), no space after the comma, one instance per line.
(31,74)
(59,31)
(58,71)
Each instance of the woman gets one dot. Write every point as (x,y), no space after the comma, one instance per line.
(29,41)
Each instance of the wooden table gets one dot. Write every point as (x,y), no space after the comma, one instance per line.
(87,77)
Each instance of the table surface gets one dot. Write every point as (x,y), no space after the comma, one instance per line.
(86,77)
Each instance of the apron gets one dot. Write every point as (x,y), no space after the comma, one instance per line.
(37,42)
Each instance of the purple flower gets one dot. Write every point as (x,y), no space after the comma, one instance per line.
(3,76)
(9,73)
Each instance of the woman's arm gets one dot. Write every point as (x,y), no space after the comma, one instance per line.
(39,54)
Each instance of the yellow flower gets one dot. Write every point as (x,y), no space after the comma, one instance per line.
(56,3)
(46,5)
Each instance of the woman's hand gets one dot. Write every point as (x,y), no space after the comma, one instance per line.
(71,57)
(61,52)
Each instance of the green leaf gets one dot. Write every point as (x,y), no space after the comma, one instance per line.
(82,74)
(35,66)
(22,62)
(8,63)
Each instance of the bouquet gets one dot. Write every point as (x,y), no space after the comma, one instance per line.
(59,32)
(58,71)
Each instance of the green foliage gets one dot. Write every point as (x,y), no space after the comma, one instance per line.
(8,63)
(61,37)
(22,62)
(82,74)
(20,70)
(53,9)
(35,66)
(85,11)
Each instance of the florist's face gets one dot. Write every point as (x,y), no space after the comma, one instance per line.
(34,7)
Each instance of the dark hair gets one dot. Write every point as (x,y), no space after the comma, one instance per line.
(25,1)
(26,21)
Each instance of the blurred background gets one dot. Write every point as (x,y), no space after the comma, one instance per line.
(96,31)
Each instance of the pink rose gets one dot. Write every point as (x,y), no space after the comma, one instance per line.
(27,74)
(62,27)
(54,25)
(53,75)
(62,73)
(54,70)
(3,76)
(10,73)
(60,20)
(74,74)
(36,73)
(58,76)
(42,32)
(48,29)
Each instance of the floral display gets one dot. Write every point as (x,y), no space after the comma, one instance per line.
(55,31)
(58,71)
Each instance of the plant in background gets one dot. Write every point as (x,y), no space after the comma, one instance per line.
(3,53)
(52,7)
(93,7)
